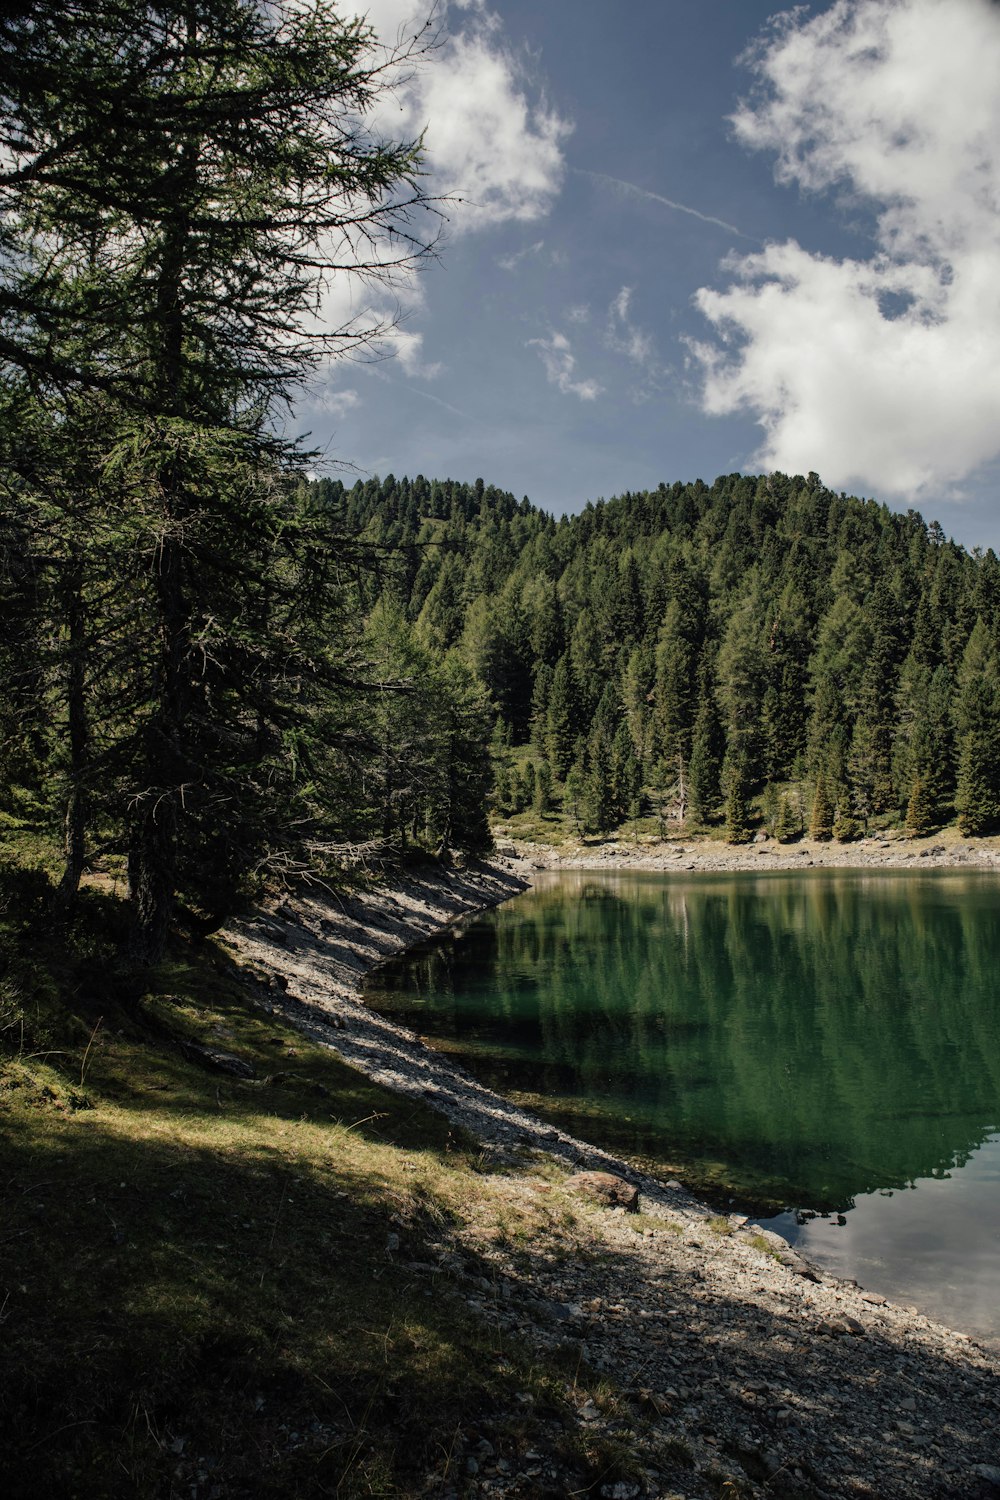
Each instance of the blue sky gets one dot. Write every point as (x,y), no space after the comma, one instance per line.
(686,239)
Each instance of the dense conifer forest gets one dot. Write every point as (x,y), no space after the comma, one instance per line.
(757,651)
(215,673)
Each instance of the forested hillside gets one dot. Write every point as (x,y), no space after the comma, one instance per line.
(689,651)
(214,673)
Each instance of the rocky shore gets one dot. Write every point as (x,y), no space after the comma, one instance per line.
(890,851)
(733,1366)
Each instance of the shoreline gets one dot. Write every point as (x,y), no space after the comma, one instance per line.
(945,851)
(766,1361)
(313,956)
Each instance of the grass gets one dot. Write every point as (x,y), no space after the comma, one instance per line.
(222,1286)
(760,1243)
(719,1225)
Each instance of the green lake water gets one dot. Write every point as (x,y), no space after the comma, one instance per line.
(824,1043)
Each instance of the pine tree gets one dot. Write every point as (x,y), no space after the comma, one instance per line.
(626,776)
(679,642)
(574,794)
(543,789)
(787,826)
(846,827)
(742,679)
(600,806)
(739,819)
(563,718)
(821,817)
(705,765)
(636,692)
(919,809)
(539,708)
(457,810)
(977,793)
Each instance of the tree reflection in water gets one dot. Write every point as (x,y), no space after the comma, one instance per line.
(801,1038)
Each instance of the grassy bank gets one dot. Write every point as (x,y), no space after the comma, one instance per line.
(217,1285)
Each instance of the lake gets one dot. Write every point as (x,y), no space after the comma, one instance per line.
(823,1046)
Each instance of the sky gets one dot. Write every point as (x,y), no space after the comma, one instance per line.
(684,238)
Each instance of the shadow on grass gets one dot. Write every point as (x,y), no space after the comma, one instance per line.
(179,1317)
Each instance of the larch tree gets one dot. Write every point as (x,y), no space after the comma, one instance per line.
(177,199)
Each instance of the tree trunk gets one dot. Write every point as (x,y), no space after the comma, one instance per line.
(79,747)
(152,856)
(152,868)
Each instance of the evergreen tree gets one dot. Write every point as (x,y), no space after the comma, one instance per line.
(846,828)
(678,645)
(543,789)
(587,662)
(783,708)
(919,809)
(821,818)
(575,793)
(601,800)
(741,678)
(739,818)
(626,775)
(977,800)
(705,766)
(543,615)
(872,743)
(457,813)
(787,825)
(977,793)
(540,694)
(564,719)
(179,256)
(636,693)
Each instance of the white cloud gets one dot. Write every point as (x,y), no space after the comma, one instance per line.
(879,372)
(557,356)
(409,349)
(625,337)
(512,261)
(492,141)
(375,314)
(337,403)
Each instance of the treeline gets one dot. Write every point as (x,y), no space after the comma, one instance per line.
(762,646)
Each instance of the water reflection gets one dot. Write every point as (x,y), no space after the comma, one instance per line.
(810,1038)
(937,1246)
